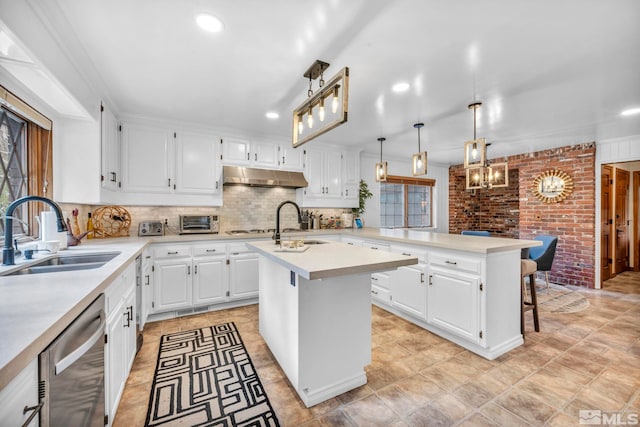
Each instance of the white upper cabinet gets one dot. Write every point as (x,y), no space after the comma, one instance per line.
(264,155)
(291,158)
(159,161)
(197,165)
(110,150)
(351,176)
(327,170)
(236,152)
(147,159)
(260,154)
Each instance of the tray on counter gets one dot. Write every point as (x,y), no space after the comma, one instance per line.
(298,249)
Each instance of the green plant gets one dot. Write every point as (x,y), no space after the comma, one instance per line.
(363,195)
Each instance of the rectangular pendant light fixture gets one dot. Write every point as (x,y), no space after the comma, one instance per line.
(381,167)
(419,162)
(488,177)
(310,118)
(474,152)
(381,171)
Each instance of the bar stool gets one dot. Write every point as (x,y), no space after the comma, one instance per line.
(528,268)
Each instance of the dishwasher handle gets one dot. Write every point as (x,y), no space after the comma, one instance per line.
(76,354)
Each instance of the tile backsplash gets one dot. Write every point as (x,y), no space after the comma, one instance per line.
(244,208)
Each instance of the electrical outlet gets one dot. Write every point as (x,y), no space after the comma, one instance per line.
(166,221)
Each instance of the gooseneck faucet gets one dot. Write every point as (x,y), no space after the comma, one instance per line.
(8,254)
(276,236)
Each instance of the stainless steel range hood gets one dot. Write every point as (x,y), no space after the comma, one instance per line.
(236,175)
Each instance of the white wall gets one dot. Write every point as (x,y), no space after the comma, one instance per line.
(402,167)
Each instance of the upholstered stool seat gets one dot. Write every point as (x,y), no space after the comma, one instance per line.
(528,268)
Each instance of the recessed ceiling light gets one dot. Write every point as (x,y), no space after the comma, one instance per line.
(209,23)
(631,111)
(272,115)
(400,87)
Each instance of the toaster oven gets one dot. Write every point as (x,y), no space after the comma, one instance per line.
(199,224)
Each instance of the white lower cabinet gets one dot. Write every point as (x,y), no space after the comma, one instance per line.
(121,337)
(21,392)
(209,278)
(146,286)
(409,290)
(380,288)
(453,302)
(243,272)
(186,276)
(172,284)
(408,284)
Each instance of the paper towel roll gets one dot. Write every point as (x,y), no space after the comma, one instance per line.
(49,229)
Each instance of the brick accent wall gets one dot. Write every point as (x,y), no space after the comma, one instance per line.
(572,220)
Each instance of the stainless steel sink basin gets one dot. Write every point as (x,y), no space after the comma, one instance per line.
(78,259)
(67,263)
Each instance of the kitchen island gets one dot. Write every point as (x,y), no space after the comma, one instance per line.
(315,313)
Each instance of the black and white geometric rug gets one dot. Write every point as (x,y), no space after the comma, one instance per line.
(205,377)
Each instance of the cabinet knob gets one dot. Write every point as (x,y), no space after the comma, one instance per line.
(430,279)
(374,292)
(451,262)
(421,277)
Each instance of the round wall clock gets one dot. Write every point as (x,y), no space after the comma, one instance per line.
(552,186)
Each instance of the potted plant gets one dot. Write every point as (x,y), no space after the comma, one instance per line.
(363,195)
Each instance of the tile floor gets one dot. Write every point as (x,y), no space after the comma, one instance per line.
(584,360)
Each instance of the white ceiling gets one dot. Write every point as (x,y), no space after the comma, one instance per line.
(550,73)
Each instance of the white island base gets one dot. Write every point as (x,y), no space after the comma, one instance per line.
(318,330)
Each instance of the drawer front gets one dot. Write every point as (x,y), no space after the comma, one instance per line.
(380,280)
(209,249)
(375,245)
(381,294)
(171,251)
(351,241)
(458,263)
(411,251)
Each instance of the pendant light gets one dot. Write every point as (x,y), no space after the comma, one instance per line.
(479,173)
(381,167)
(419,160)
(474,150)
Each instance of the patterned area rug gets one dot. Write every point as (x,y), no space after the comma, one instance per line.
(205,377)
(558,299)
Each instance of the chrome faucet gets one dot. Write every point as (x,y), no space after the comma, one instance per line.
(276,236)
(8,253)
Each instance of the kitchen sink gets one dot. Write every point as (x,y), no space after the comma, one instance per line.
(78,259)
(314,242)
(59,263)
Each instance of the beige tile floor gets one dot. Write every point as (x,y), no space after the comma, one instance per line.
(584,360)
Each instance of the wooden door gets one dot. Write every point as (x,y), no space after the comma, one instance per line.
(621,221)
(635,239)
(606,223)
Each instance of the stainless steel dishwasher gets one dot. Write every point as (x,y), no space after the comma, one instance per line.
(72,372)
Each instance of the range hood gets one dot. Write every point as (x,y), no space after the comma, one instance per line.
(236,175)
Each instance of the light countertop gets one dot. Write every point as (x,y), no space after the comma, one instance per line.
(332,259)
(35,309)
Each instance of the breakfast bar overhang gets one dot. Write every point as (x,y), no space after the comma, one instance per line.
(315,313)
